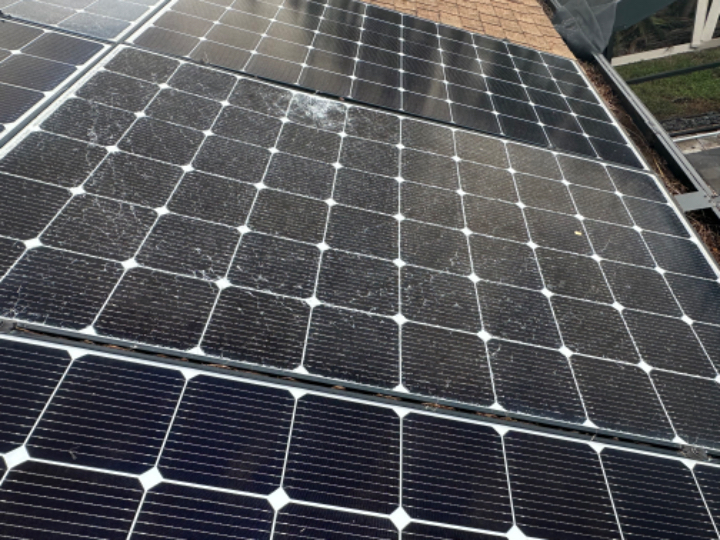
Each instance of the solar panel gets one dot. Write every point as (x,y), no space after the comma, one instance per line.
(118,447)
(177,207)
(400,62)
(104,19)
(33,64)
(160,201)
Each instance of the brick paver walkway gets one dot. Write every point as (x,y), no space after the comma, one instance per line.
(520,21)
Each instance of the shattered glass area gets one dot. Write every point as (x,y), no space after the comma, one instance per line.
(177,207)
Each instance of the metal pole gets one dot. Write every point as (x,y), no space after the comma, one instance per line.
(711,21)
(700,18)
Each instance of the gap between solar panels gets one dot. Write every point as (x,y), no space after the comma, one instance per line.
(159,448)
(190,211)
(374,56)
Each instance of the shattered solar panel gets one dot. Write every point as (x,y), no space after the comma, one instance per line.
(172,206)
(103,445)
(398,62)
(34,63)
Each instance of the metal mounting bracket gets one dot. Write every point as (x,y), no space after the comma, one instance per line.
(697,200)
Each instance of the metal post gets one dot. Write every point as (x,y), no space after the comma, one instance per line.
(711,21)
(700,18)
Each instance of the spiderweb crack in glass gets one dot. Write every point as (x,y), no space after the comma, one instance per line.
(355,50)
(164,451)
(174,206)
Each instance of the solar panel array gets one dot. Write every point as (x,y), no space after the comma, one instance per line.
(104,19)
(380,243)
(103,446)
(352,49)
(182,208)
(33,64)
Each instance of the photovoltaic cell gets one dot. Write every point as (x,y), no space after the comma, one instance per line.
(108,412)
(198,249)
(29,374)
(89,121)
(707,478)
(678,255)
(420,531)
(86,221)
(434,247)
(173,511)
(669,344)
(594,329)
(230,218)
(655,217)
(62,289)
(636,184)
(557,231)
(397,62)
(53,159)
(445,364)
(344,455)
(249,457)
(273,334)
(696,296)
(28,206)
(352,346)
(454,473)
(545,194)
(640,288)
(573,275)
(516,314)
(579,505)
(10,251)
(620,397)
(175,306)
(616,243)
(708,336)
(555,394)
(246,452)
(42,500)
(212,198)
(511,263)
(307,522)
(691,404)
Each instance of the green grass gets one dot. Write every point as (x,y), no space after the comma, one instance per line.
(683,95)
